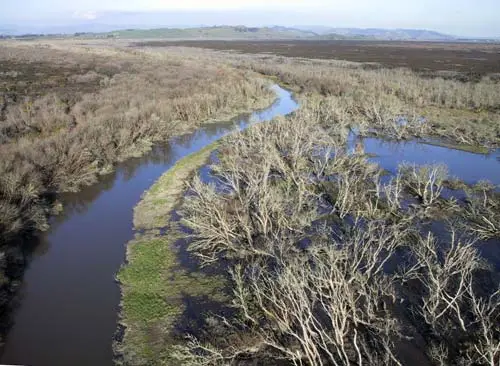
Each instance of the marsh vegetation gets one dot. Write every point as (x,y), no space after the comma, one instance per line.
(401,103)
(293,247)
(69,113)
(331,262)
(328,258)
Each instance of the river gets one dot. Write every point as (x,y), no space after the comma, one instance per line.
(69,299)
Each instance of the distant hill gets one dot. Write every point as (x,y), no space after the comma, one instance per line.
(380,33)
(278,32)
(340,37)
(395,34)
(215,32)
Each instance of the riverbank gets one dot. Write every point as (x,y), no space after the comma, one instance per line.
(153,283)
(157,286)
(155,207)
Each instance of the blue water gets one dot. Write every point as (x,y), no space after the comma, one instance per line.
(467,166)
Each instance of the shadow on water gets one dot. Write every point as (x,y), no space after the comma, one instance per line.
(68,300)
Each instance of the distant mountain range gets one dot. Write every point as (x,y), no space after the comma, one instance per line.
(93,29)
(382,33)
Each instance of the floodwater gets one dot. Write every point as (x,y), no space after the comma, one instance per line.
(69,299)
(467,166)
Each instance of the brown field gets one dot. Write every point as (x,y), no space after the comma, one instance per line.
(473,60)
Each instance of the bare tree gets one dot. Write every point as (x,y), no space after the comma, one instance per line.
(445,272)
(426,181)
(486,315)
(482,212)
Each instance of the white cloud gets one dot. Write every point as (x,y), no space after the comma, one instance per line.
(220,4)
(88,15)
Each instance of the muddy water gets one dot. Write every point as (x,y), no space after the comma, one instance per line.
(69,297)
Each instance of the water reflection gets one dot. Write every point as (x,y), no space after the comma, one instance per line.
(467,166)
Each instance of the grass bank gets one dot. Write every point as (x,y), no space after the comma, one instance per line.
(157,203)
(155,286)
(156,291)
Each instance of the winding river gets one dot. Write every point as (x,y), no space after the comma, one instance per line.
(69,300)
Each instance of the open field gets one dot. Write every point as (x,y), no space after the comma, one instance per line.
(470,59)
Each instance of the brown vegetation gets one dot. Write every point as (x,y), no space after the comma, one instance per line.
(383,100)
(69,113)
(51,144)
(397,103)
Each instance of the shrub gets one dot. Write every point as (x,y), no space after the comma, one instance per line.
(425,182)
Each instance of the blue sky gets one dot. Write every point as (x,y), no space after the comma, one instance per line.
(460,17)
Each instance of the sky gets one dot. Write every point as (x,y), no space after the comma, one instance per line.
(477,18)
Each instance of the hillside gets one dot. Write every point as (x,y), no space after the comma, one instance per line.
(395,34)
(235,32)
(216,32)
(278,32)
